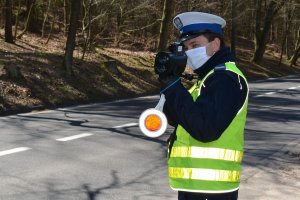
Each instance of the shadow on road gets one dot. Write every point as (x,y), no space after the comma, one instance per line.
(84,123)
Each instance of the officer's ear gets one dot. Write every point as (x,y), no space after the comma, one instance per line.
(216,44)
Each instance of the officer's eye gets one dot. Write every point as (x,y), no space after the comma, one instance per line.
(195,46)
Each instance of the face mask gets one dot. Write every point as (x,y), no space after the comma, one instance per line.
(197,57)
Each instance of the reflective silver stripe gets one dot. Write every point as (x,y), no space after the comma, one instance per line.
(207,152)
(204,174)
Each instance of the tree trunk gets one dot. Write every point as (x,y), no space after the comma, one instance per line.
(52,23)
(296,54)
(288,17)
(233,26)
(187,4)
(165,25)
(70,44)
(261,36)
(8,22)
(66,15)
(257,22)
(45,17)
(1,15)
(33,23)
(119,27)
(30,5)
(295,57)
(87,40)
(17,20)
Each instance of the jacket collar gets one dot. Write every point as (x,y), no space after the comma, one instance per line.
(222,56)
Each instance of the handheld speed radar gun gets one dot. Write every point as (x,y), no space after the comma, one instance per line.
(153,122)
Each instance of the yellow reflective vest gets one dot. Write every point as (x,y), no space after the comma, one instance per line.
(211,167)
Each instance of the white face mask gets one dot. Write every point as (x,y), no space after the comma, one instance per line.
(197,57)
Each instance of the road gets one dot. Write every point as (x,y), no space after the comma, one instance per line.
(96,151)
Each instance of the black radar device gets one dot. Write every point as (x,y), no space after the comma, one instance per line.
(171,62)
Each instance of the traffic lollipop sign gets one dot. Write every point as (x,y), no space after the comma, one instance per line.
(153,122)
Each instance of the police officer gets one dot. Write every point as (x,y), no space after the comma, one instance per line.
(206,148)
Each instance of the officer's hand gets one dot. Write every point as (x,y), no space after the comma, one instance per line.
(160,64)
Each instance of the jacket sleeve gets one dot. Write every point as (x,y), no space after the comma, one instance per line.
(208,117)
(171,119)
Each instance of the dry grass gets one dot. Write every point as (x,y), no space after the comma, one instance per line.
(42,81)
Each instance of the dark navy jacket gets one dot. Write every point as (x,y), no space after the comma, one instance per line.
(219,101)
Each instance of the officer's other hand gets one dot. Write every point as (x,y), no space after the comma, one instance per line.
(167,74)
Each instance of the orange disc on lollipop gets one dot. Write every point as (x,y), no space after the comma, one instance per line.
(153,122)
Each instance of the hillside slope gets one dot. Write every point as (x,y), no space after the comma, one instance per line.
(32,76)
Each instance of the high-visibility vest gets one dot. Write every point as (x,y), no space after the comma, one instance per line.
(209,167)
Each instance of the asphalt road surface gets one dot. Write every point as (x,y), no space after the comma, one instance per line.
(96,151)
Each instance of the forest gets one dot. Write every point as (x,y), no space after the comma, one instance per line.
(62,52)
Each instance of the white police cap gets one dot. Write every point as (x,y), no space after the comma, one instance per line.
(191,23)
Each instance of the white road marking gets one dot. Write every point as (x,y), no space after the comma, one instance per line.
(261,95)
(126,125)
(270,93)
(292,88)
(15,150)
(74,137)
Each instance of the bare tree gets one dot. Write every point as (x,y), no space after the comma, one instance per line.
(30,8)
(261,34)
(45,17)
(296,55)
(165,25)
(288,15)
(70,45)
(17,19)
(1,14)
(87,41)
(53,22)
(233,25)
(66,15)
(8,22)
